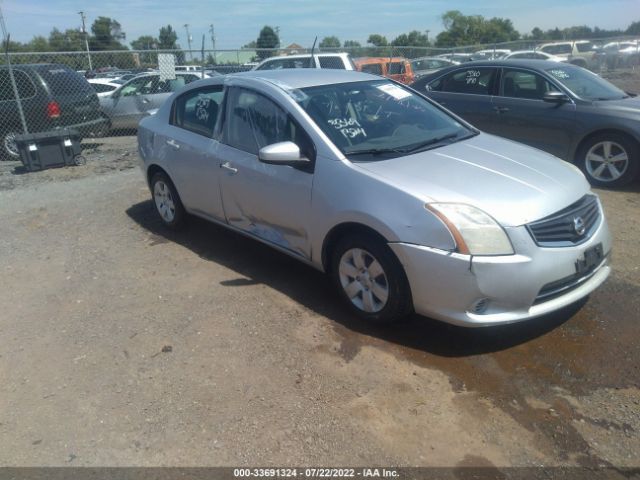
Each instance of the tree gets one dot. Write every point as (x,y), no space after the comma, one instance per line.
(107,35)
(68,41)
(377,40)
(330,42)
(412,39)
(268,38)
(167,38)
(251,45)
(633,29)
(145,42)
(474,29)
(351,44)
(537,34)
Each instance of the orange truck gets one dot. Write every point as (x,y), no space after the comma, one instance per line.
(396,68)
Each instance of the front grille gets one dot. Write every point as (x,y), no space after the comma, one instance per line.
(570,226)
(565,285)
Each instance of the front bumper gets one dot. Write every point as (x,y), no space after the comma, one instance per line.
(478,291)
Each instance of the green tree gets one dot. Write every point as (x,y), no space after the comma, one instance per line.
(537,34)
(377,40)
(633,29)
(267,38)
(167,38)
(145,42)
(251,45)
(107,35)
(412,39)
(330,42)
(474,29)
(38,44)
(68,41)
(351,44)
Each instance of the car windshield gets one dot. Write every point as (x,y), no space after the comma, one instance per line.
(585,84)
(378,119)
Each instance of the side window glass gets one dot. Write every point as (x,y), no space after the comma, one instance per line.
(253,121)
(26,89)
(477,81)
(520,84)
(137,86)
(197,110)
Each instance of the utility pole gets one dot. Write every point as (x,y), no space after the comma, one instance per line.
(213,36)
(186,27)
(86,38)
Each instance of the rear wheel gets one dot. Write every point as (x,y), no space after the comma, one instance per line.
(370,279)
(609,160)
(167,201)
(9,147)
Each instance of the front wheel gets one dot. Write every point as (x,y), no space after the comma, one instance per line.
(609,160)
(167,201)
(371,279)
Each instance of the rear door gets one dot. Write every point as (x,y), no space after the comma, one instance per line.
(468,92)
(523,116)
(188,145)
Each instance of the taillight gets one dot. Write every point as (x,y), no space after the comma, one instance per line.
(53,110)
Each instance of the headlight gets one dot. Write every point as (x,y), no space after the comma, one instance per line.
(475,232)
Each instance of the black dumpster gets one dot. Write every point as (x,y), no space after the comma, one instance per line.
(55,148)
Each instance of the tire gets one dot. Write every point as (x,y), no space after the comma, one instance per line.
(9,150)
(167,201)
(596,158)
(365,271)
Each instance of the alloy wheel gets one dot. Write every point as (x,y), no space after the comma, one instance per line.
(363,280)
(606,161)
(164,201)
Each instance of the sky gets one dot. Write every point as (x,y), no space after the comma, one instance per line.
(237,22)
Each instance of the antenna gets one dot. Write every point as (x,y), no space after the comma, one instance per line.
(311,60)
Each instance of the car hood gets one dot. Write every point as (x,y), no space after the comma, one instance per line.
(513,183)
(630,105)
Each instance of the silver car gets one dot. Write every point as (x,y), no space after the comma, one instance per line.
(127,105)
(406,207)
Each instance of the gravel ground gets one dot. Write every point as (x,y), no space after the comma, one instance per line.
(126,344)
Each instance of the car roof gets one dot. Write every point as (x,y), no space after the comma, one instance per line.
(373,60)
(306,55)
(512,62)
(306,77)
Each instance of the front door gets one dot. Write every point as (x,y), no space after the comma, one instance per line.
(272,202)
(522,115)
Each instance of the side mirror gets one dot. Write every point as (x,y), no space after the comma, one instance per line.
(555,97)
(282,153)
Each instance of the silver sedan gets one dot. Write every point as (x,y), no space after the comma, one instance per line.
(406,206)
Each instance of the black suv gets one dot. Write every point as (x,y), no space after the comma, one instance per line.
(52,96)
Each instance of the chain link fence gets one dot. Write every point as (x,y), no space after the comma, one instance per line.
(102,94)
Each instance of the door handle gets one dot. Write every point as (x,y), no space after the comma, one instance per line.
(173,144)
(501,109)
(227,166)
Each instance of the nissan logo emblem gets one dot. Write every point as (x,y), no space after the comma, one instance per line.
(578,226)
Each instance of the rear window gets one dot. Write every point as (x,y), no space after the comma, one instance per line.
(584,47)
(63,81)
(396,68)
(557,49)
(331,62)
(375,68)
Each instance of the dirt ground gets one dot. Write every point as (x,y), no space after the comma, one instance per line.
(124,344)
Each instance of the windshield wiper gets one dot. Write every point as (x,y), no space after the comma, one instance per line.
(375,151)
(430,142)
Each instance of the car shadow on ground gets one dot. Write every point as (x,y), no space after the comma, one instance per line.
(257,263)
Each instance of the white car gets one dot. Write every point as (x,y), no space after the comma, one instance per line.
(534,55)
(103,86)
(339,61)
